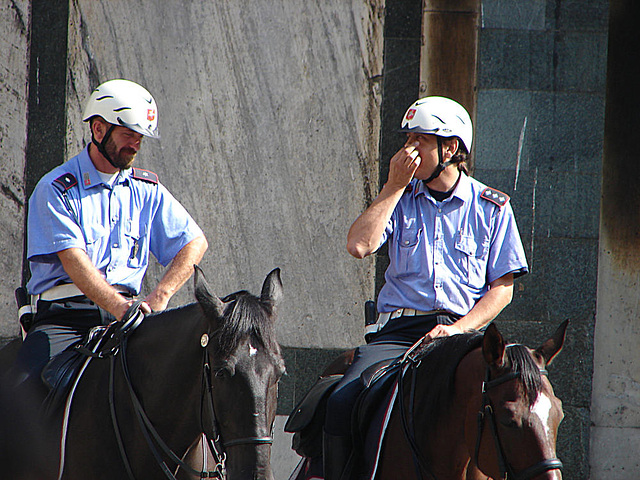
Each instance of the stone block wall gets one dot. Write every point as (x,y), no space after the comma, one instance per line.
(540,119)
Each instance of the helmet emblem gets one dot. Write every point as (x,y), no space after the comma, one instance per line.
(151,114)
(411,113)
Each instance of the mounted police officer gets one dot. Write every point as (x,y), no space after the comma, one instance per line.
(92,222)
(454,251)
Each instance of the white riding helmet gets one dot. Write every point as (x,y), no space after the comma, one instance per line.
(439,116)
(125,103)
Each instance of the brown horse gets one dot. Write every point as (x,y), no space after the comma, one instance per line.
(493,414)
(470,407)
(209,368)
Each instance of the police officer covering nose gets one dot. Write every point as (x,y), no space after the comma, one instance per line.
(454,251)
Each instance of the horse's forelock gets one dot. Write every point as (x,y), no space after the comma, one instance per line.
(245,315)
(520,360)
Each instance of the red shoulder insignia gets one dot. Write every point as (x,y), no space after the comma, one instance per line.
(144,175)
(495,196)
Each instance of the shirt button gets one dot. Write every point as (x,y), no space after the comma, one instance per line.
(406,242)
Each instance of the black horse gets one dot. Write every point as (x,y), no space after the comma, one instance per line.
(202,375)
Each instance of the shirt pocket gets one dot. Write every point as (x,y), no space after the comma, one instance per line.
(409,259)
(472,256)
(96,237)
(135,236)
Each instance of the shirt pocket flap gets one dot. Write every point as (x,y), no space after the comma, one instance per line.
(135,230)
(472,246)
(466,244)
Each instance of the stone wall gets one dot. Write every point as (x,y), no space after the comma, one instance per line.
(540,118)
(14,52)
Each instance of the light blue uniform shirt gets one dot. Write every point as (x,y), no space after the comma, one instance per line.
(444,254)
(117,226)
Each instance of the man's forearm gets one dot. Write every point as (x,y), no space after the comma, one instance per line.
(179,271)
(490,305)
(91,282)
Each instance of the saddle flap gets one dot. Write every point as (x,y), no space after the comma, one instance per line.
(378,380)
(58,375)
(303,414)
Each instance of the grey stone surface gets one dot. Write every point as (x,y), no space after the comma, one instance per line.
(560,132)
(506,14)
(14,35)
(269,120)
(516,59)
(540,131)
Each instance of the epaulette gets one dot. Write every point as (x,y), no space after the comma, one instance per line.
(65,182)
(495,196)
(144,175)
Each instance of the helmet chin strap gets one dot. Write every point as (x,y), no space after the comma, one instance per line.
(441,164)
(102,145)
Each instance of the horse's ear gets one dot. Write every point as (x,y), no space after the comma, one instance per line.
(209,302)
(549,349)
(272,288)
(493,347)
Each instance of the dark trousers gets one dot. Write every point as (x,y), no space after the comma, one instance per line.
(57,326)
(389,343)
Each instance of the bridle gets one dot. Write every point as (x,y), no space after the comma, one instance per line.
(158,447)
(409,361)
(486,413)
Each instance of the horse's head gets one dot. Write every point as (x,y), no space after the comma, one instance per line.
(246,364)
(520,414)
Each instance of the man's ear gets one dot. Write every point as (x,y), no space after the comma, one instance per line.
(98,128)
(452,144)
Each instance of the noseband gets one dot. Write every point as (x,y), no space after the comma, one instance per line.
(487,412)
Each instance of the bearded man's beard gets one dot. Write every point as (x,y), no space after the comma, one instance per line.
(123,158)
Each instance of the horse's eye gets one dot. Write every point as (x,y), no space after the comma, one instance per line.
(510,423)
(223,372)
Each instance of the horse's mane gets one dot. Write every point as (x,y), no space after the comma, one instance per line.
(441,357)
(439,360)
(245,315)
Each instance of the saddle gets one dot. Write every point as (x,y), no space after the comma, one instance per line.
(307,419)
(63,370)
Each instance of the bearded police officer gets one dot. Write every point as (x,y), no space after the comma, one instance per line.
(92,222)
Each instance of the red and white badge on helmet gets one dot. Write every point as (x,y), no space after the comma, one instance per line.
(410,114)
(151,114)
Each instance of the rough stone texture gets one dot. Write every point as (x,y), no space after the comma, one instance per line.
(269,117)
(14,35)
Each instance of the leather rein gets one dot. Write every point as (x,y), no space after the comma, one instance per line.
(486,412)
(154,441)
